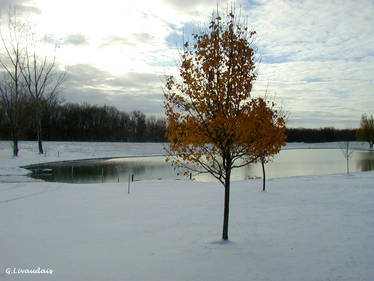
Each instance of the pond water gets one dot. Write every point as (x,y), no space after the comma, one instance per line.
(297,162)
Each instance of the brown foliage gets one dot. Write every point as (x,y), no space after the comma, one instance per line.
(213,121)
(214,125)
(270,131)
(366,130)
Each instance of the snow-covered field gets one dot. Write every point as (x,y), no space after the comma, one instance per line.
(302,228)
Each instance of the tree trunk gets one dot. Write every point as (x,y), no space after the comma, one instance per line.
(347,165)
(263,175)
(40,146)
(15,140)
(39,135)
(225,231)
(15,146)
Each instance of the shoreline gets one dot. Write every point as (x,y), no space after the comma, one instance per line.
(76,152)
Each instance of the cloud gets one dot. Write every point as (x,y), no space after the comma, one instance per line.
(143,37)
(112,40)
(323,92)
(136,80)
(84,75)
(23,7)
(309,30)
(195,6)
(75,39)
(318,57)
(128,92)
(134,39)
(146,103)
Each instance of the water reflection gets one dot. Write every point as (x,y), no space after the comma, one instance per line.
(287,163)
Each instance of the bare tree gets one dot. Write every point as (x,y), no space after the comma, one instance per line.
(13,104)
(11,61)
(37,76)
(347,153)
(43,81)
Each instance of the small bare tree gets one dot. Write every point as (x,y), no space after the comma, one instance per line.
(13,105)
(29,73)
(347,153)
(11,61)
(43,80)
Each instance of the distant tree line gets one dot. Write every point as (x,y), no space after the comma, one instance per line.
(320,135)
(84,122)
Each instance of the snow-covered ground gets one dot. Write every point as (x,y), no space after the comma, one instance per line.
(302,228)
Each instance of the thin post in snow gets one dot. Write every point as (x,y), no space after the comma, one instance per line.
(102,174)
(128,185)
(347,165)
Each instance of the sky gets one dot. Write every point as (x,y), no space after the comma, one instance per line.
(316,57)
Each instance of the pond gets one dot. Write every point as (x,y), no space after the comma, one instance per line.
(296,162)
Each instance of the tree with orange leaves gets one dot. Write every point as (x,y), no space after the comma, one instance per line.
(270,131)
(212,119)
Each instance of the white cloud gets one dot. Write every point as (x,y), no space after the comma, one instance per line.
(318,56)
(75,39)
(129,91)
(302,30)
(306,88)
